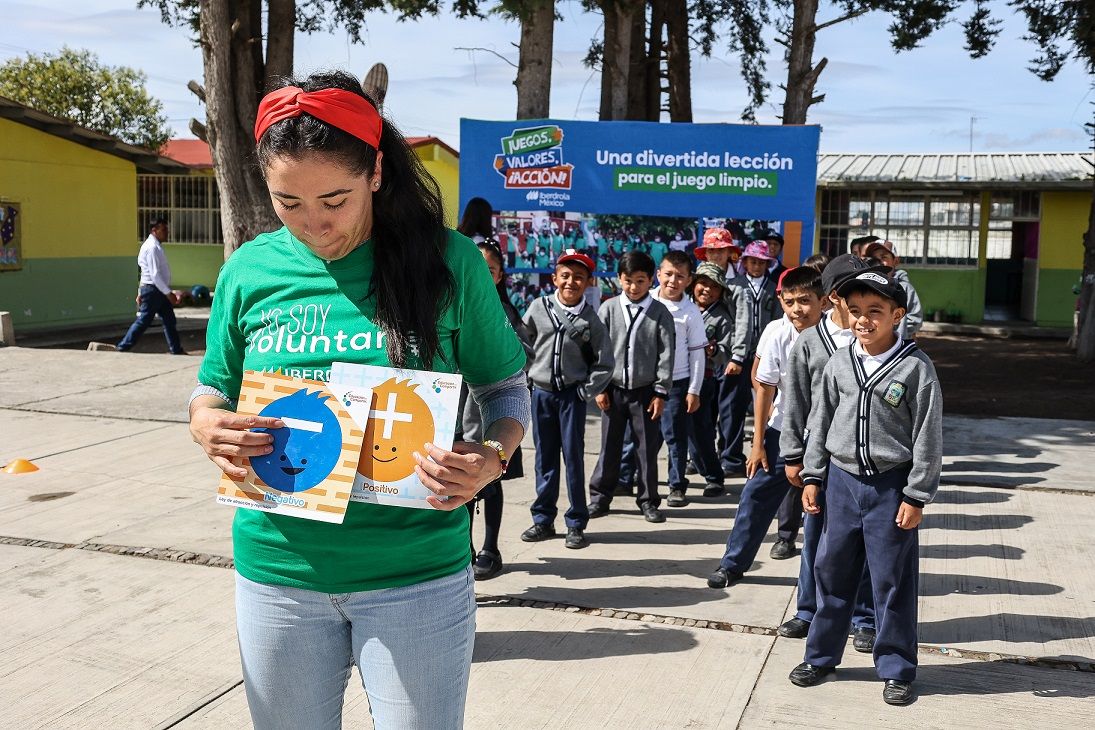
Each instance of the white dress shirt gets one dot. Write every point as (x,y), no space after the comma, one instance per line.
(690,341)
(871,363)
(842,337)
(773,354)
(153,262)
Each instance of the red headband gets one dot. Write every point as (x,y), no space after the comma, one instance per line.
(343,109)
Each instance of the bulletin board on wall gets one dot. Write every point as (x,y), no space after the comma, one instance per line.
(11,249)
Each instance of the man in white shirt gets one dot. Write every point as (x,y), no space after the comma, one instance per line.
(154,295)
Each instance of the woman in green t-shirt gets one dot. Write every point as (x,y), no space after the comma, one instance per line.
(363,271)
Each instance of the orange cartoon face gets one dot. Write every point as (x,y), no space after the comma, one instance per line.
(400,423)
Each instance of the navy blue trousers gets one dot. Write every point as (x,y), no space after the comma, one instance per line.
(859,527)
(735,394)
(674,423)
(559,424)
(790,516)
(702,433)
(153,303)
(757,507)
(627,407)
(863,613)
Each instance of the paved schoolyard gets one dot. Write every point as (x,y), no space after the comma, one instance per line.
(118,602)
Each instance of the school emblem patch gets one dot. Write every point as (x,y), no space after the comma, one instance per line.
(895,392)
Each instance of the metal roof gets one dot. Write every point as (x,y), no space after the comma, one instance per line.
(145,159)
(1037,170)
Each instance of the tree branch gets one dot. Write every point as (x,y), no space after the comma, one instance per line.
(485,50)
(841,19)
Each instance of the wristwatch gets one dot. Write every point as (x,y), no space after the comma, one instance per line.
(489,443)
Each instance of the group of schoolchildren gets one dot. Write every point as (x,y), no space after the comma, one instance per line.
(848,417)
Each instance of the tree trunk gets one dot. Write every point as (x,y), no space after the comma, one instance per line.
(281,26)
(801,73)
(228,37)
(608,57)
(655,51)
(534,60)
(620,69)
(638,66)
(679,62)
(1085,339)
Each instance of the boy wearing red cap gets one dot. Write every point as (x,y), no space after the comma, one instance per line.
(572,364)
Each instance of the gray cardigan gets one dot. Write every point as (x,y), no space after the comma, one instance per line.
(751,314)
(655,337)
(718,325)
(801,388)
(869,425)
(543,323)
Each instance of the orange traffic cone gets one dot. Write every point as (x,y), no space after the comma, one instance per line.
(20,466)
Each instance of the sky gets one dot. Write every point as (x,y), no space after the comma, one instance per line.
(876,100)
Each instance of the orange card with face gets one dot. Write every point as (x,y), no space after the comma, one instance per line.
(400,411)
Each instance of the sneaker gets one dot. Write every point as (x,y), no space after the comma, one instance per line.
(807,675)
(714,489)
(794,628)
(677,498)
(598,509)
(691,469)
(896,692)
(652,514)
(722,578)
(576,539)
(782,550)
(863,639)
(486,565)
(538,533)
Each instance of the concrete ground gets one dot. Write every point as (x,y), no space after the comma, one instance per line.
(119,611)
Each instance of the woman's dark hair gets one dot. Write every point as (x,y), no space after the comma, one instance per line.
(408,235)
(491,248)
(478,219)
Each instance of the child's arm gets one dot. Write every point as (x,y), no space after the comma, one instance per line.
(743,315)
(795,404)
(764,396)
(667,341)
(697,342)
(927,445)
(600,372)
(816,462)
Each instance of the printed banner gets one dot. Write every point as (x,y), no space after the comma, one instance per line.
(643,168)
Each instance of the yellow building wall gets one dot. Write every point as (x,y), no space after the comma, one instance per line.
(78,213)
(1061,232)
(444,166)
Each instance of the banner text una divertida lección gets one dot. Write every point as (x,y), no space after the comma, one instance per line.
(696,172)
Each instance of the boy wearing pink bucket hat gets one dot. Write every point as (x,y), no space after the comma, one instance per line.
(754,302)
(719,248)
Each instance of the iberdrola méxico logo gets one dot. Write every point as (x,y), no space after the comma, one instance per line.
(533,158)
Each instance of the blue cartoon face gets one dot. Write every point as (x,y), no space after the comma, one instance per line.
(306,449)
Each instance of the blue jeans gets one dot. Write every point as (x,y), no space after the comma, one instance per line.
(674,423)
(153,303)
(702,434)
(859,529)
(863,614)
(412,645)
(760,500)
(559,423)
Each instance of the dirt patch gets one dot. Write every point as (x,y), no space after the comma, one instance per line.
(1024,378)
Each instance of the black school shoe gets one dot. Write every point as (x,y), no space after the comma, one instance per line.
(714,489)
(538,533)
(677,498)
(576,539)
(722,578)
(794,628)
(782,550)
(652,513)
(486,565)
(807,675)
(863,640)
(597,509)
(896,692)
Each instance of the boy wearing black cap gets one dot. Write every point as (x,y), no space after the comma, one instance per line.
(876,438)
(802,389)
(571,365)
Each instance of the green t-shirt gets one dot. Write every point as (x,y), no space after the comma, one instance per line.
(280,307)
(658,250)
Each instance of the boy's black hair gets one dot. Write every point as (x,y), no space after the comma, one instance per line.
(803,279)
(678,258)
(858,288)
(818,262)
(636,262)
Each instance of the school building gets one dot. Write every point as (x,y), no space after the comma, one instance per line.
(984,236)
(68,204)
(188,198)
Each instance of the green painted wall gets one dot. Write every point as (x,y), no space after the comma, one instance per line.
(1056,302)
(51,293)
(194,263)
(961,289)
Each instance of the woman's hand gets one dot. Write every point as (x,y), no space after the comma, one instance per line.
(458,474)
(224,434)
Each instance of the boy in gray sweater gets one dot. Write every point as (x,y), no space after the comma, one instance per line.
(571,365)
(876,433)
(642,338)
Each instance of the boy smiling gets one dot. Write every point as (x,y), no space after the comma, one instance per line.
(877,432)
